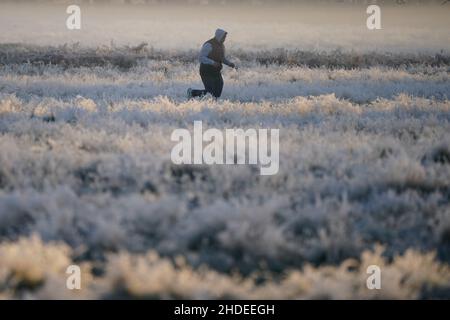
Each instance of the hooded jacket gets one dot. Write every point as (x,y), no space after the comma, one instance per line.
(213,50)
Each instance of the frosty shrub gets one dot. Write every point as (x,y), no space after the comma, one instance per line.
(30,269)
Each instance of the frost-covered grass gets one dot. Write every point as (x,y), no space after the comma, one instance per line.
(364,160)
(64,75)
(32,269)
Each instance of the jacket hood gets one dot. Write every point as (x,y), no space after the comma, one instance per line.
(220,34)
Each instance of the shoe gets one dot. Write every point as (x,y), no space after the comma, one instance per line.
(189,93)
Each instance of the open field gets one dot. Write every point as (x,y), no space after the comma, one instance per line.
(86,176)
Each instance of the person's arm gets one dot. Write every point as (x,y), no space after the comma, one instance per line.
(229,63)
(204,52)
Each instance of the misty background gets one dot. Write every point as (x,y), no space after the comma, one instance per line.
(422,26)
(254,2)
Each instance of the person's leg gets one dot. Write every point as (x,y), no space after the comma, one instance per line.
(208,82)
(213,84)
(197,93)
(205,74)
(218,86)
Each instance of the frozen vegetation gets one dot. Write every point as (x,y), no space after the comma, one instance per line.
(86,176)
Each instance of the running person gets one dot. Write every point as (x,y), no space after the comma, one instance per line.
(212,56)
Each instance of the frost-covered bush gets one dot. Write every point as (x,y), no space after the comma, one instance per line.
(350,176)
(127,57)
(31,269)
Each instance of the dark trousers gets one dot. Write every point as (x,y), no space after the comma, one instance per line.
(212,80)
